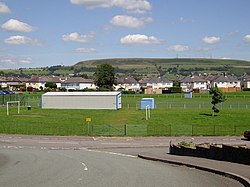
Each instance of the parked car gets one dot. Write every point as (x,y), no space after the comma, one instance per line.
(2,92)
(247,134)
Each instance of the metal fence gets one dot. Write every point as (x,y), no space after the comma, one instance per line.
(167,130)
(195,105)
(24,99)
(123,130)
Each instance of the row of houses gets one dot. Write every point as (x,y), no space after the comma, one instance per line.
(199,83)
(190,83)
(39,82)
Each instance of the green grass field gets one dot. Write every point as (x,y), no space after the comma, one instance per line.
(173,116)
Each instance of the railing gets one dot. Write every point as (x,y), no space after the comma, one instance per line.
(194,105)
(168,130)
(35,127)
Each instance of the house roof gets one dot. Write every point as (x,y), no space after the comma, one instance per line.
(144,80)
(156,80)
(124,80)
(193,78)
(36,79)
(55,79)
(78,80)
(225,78)
(13,79)
(2,79)
(247,79)
(209,77)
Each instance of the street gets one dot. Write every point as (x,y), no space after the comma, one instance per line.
(86,161)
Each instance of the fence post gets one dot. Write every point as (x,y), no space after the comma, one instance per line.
(125,128)
(147,130)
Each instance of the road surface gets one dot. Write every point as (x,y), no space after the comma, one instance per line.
(60,161)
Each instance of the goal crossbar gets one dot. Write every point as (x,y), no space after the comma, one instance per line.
(18,106)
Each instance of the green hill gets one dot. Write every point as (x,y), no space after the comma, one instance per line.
(182,66)
(139,67)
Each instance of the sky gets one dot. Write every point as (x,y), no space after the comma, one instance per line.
(63,32)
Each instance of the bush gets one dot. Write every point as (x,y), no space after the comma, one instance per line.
(246,89)
(102,89)
(128,92)
(175,89)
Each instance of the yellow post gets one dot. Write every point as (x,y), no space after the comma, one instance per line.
(88,120)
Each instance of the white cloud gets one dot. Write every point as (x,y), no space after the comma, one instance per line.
(129,21)
(202,49)
(10,61)
(211,40)
(17,40)
(247,38)
(4,8)
(27,60)
(17,26)
(185,20)
(93,3)
(85,50)
(178,48)
(75,37)
(139,39)
(133,6)
(7,61)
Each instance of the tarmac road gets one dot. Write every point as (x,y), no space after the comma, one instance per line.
(99,161)
(33,167)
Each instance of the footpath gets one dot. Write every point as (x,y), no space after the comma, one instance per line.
(238,172)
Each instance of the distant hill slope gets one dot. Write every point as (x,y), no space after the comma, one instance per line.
(162,66)
(139,67)
(153,61)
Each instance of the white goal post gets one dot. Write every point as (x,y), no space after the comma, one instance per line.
(148,112)
(18,106)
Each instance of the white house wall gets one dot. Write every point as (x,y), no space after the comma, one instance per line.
(133,87)
(78,86)
(227,84)
(87,85)
(200,85)
(160,85)
(247,84)
(58,85)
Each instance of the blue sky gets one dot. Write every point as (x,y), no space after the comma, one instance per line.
(63,32)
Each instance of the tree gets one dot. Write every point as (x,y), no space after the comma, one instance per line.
(105,76)
(217,98)
(50,85)
(1,73)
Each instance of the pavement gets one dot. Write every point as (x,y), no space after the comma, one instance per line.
(239,172)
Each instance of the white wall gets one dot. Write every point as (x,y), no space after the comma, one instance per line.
(77,101)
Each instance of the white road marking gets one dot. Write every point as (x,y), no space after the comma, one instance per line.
(85,167)
(112,143)
(112,153)
(9,141)
(44,142)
